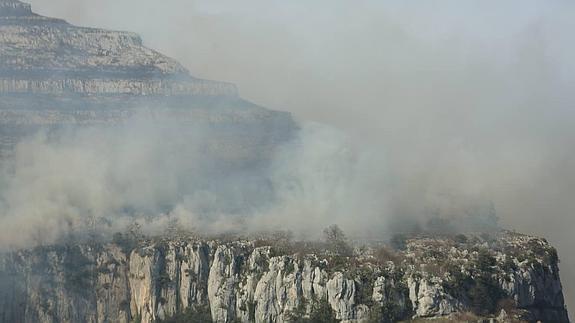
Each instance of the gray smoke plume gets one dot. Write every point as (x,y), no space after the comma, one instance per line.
(100,179)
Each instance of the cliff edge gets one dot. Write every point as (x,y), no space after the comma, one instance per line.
(505,277)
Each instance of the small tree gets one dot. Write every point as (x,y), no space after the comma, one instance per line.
(337,241)
(129,240)
(323,313)
(135,231)
(485,293)
(399,242)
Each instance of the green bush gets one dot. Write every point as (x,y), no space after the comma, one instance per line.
(461,238)
(321,312)
(484,295)
(485,261)
(481,290)
(399,242)
(125,242)
(337,241)
(388,312)
(79,271)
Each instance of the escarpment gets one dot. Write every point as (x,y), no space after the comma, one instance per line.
(509,278)
(14,8)
(54,74)
(41,55)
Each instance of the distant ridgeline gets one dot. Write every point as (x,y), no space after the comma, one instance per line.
(54,74)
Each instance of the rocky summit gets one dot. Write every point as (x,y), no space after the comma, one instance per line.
(502,277)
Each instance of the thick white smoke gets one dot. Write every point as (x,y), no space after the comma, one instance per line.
(73,182)
(60,181)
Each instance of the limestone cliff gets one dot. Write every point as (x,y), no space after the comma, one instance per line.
(49,56)
(512,277)
(55,74)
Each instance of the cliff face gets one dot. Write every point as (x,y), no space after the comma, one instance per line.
(49,56)
(254,281)
(14,8)
(54,74)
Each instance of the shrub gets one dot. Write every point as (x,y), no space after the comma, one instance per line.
(125,242)
(298,314)
(337,241)
(321,312)
(481,290)
(458,283)
(551,257)
(461,238)
(508,265)
(399,242)
(485,261)
(485,294)
(391,312)
(383,255)
(507,304)
(79,270)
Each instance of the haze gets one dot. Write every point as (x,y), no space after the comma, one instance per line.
(472,98)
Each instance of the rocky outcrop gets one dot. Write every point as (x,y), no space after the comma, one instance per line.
(102,86)
(237,281)
(430,299)
(54,74)
(49,56)
(14,8)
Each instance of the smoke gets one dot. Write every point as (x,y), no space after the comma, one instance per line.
(77,182)
(60,181)
(321,178)
(464,98)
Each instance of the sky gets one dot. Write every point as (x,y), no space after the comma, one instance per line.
(464,98)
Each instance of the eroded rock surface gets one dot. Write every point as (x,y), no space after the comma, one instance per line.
(50,56)
(54,74)
(237,281)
